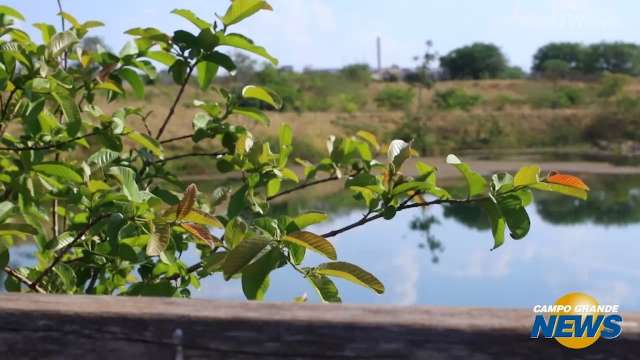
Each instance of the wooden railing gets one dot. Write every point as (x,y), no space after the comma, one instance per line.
(84,327)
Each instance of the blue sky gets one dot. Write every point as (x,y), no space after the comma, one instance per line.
(332,33)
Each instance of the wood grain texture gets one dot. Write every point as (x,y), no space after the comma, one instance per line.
(83,327)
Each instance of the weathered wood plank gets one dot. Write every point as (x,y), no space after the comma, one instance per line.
(82,327)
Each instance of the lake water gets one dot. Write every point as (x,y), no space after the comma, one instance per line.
(441,256)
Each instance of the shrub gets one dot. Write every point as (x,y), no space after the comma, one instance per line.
(394,98)
(561,97)
(611,85)
(455,99)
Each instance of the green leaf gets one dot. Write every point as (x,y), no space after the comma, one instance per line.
(70,18)
(399,151)
(476,183)
(129,49)
(47,31)
(67,275)
(70,110)
(242,9)
(206,73)
(273,187)
(241,42)
(561,189)
(102,158)
(253,114)
(286,135)
(61,42)
(313,242)
(134,80)
(262,94)
(351,273)
(127,178)
(108,85)
(220,59)
(162,57)
(58,170)
(370,138)
(496,220)
(255,277)
(6,10)
(409,186)
(235,232)
(307,219)
(527,175)
(17,229)
(515,215)
(325,287)
(159,239)
(5,210)
(241,255)
(200,217)
(191,17)
(4,256)
(146,141)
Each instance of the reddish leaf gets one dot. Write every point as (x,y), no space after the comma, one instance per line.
(567,180)
(201,233)
(186,204)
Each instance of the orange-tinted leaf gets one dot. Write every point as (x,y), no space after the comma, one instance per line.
(200,232)
(186,204)
(567,180)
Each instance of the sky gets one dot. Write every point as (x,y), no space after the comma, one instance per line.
(333,33)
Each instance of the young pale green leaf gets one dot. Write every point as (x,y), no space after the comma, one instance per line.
(102,158)
(255,277)
(370,138)
(6,208)
(206,73)
(561,189)
(241,255)
(313,242)
(47,31)
(127,178)
(515,215)
(191,17)
(201,233)
(242,9)
(527,175)
(399,151)
(262,94)
(9,11)
(235,232)
(273,187)
(307,219)
(286,135)
(70,111)
(159,240)
(134,80)
(70,18)
(325,287)
(162,57)
(188,200)
(409,186)
(253,114)
(61,42)
(145,141)
(351,273)
(476,183)
(111,86)
(241,42)
(496,220)
(59,170)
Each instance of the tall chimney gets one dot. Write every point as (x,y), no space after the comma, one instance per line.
(379,53)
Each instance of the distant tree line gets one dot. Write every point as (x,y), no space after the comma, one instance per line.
(555,60)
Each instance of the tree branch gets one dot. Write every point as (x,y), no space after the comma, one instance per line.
(66,249)
(183,137)
(16,275)
(303,186)
(172,110)
(49,146)
(194,154)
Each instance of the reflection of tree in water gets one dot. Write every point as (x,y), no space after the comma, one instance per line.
(470,216)
(424,224)
(613,200)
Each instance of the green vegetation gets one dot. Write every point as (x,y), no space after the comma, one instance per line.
(394,98)
(455,99)
(476,61)
(87,177)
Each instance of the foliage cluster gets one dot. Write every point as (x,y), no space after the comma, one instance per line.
(455,98)
(394,98)
(119,221)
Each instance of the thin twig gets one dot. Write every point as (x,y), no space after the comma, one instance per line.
(303,186)
(194,154)
(172,110)
(183,137)
(66,56)
(16,275)
(48,146)
(66,249)
(146,124)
